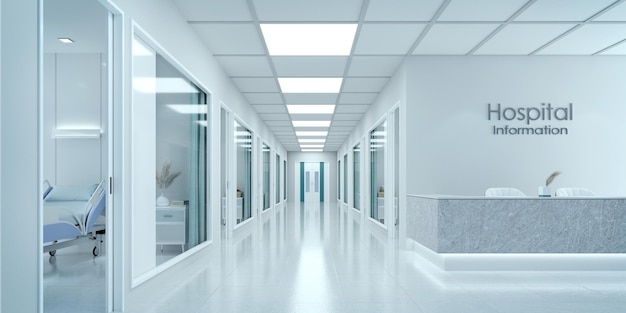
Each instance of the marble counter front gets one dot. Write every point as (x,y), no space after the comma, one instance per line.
(455,224)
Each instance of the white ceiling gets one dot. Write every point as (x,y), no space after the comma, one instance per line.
(389,31)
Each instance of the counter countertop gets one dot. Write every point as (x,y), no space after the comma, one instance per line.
(455,197)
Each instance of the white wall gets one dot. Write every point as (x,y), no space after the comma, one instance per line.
(73,98)
(393,94)
(453,151)
(161,20)
(21,229)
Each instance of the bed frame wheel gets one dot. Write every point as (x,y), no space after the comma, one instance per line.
(52,253)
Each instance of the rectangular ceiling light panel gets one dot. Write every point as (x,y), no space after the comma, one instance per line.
(310,84)
(311,140)
(309,39)
(311,108)
(311,123)
(311,133)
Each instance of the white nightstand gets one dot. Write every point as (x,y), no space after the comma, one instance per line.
(170,225)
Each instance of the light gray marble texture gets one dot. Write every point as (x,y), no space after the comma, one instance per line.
(517,225)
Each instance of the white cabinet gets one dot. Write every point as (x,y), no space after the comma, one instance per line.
(239,210)
(170,225)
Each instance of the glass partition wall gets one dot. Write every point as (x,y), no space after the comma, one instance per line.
(277,180)
(345,179)
(170,137)
(266,177)
(181,158)
(356,158)
(284,179)
(243,142)
(377,172)
(75,155)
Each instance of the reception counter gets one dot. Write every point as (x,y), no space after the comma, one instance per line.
(505,225)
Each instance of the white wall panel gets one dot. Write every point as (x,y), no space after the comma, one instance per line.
(453,150)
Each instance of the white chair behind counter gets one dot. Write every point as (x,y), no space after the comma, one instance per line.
(504,192)
(575,192)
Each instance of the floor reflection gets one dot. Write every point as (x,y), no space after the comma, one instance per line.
(324,257)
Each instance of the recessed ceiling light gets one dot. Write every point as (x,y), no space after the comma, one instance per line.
(66,40)
(311,108)
(309,39)
(311,133)
(310,123)
(312,150)
(308,140)
(311,146)
(310,84)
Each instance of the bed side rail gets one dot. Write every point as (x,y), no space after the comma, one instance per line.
(96,206)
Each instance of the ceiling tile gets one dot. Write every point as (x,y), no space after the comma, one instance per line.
(274,117)
(560,10)
(311,98)
(266,84)
(588,39)
(453,39)
(360,84)
(357,97)
(306,10)
(278,123)
(514,40)
(618,13)
(245,65)
(309,66)
(205,10)
(281,129)
(617,50)
(219,38)
(341,128)
(481,10)
(284,133)
(402,10)
(374,65)
(264,98)
(344,123)
(392,39)
(347,117)
(274,108)
(351,108)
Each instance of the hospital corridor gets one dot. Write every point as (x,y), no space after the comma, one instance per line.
(312,156)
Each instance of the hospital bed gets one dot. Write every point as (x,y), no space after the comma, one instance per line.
(71,216)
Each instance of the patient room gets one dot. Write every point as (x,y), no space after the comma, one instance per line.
(75,157)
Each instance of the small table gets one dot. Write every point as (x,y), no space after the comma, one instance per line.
(170,225)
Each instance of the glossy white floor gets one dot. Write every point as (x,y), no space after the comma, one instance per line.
(314,258)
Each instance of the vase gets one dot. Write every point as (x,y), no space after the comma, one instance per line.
(162,200)
(544,191)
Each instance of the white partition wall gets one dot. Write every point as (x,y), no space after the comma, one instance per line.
(21,265)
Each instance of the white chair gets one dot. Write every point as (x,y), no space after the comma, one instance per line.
(575,192)
(503,192)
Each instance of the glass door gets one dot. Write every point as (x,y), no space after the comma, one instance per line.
(312,182)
